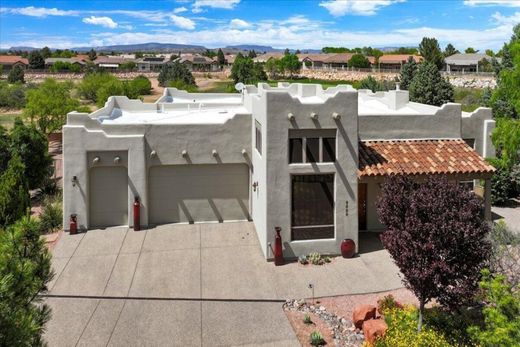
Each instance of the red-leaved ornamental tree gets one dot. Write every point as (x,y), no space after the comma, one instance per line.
(437,236)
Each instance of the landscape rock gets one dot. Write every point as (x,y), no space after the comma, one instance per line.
(374,328)
(363,313)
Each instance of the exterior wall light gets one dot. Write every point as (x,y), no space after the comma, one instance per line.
(153,154)
(184,153)
(290,116)
(336,116)
(95,160)
(117,160)
(214,152)
(314,115)
(74,180)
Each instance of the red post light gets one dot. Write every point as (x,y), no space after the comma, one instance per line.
(278,251)
(137,214)
(73,225)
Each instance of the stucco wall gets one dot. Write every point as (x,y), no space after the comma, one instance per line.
(479,125)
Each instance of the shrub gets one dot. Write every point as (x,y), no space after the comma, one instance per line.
(307,319)
(31,146)
(175,71)
(402,331)
(453,325)
(407,73)
(387,303)
(25,271)
(501,314)
(358,61)
(14,192)
(501,184)
(51,217)
(92,82)
(375,85)
(246,71)
(316,339)
(505,255)
(182,86)
(437,236)
(12,96)
(142,85)
(16,75)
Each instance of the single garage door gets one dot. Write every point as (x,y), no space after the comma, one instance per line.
(197,193)
(108,196)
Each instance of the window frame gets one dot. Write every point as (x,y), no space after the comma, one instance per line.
(258,137)
(303,135)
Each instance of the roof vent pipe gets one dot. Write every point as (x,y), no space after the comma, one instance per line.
(314,115)
(214,152)
(290,116)
(336,116)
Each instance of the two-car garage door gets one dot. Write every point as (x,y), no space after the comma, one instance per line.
(197,193)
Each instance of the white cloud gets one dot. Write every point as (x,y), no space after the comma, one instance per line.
(180,9)
(505,3)
(106,22)
(39,11)
(182,22)
(339,8)
(501,19)
(238,23)
(198,5)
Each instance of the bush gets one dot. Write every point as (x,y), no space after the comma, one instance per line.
(51,218)
(142,85)
(182,86)
(358,61)
(16,75)
(501,314)
(25,271)
(501,184)
(116,88)
(92,82)
(505,254)
(14,192)
(246,71)
(375,85)
(402,331)
(12,96)
(31,146)
(175,71)
(387,304)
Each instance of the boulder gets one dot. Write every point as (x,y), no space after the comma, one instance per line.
(374,328)
(363,313)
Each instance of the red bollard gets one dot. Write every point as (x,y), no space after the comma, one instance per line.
(73,225)
(137,214)
(278,251)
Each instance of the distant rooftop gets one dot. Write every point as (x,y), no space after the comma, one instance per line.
(467,58)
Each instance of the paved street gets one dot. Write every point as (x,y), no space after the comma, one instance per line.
(190,285)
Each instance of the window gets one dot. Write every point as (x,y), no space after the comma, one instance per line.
(312,207)
(258,137)
(312,146)
(467,185)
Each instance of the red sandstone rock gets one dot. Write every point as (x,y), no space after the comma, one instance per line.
(363,313)
(374,328)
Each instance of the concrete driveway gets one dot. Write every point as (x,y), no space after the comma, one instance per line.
(189,285)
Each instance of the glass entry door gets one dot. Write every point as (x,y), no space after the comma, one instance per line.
(312,207)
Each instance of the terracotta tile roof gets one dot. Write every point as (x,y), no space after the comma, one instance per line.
(12,59)
(419,157)
(398,58)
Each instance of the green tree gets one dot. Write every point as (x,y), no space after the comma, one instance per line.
(273,67)
(92,54)
(175,71)
(374,85)
(5,153)
(506,139)
(221,59)
(46,52)
(47,106)
(450,50)
(291,64)
(431,52)
(429,87)
(92,82)
(31,146)
(358,61)
(470,50)
(36,60)
(128,66)
(14,192)
(16,75)
(246,71)
(489,52)
(25,271)
(142,85)
(252,54)
(407,73)
(116,88)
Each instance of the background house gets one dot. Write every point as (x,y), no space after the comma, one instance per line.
(465,62)
(10,61)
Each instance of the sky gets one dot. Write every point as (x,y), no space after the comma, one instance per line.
(303,24)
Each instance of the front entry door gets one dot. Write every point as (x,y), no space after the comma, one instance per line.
(362,206)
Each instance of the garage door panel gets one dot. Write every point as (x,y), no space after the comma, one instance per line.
(198,193)
(108,198)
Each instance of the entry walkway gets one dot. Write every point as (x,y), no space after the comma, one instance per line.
(190,285)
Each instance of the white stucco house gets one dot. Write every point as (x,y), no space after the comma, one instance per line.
(308,160)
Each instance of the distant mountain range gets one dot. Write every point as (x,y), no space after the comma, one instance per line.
(167,47)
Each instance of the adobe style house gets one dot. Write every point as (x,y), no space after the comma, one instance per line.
(308,160)
(10,61)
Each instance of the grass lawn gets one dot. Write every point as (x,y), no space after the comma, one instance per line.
(7,119)
(469,98)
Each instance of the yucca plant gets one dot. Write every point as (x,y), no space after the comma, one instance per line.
(317,339)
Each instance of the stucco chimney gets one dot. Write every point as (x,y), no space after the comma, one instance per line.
(397,99)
